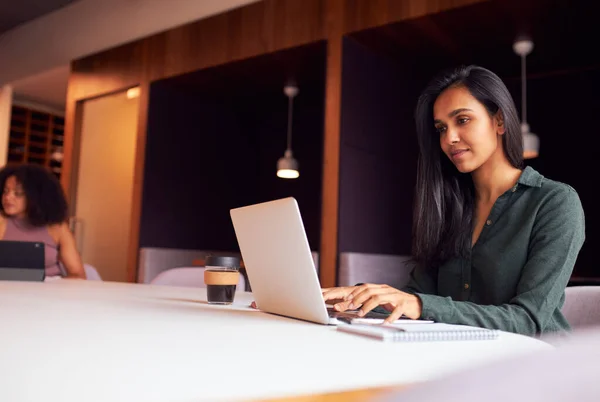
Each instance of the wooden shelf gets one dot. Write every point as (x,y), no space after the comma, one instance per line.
(19,118)
(37,144)
(34,136)
(38,133)
(20,141)
(36,155)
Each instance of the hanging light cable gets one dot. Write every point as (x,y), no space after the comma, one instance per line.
(531,142)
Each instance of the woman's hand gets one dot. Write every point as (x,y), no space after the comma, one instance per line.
(335,296)
(324,291)
(368,296)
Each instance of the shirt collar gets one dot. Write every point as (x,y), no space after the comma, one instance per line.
(530,177)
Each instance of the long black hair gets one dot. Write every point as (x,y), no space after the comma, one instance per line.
(444,197)
(46,201)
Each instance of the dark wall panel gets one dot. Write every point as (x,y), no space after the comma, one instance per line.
(213,143)
(378,153)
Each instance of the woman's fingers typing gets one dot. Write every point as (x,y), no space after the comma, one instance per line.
(337,297)
(336,293)
(395,315)
(359,289)
(376,298)
(363,293)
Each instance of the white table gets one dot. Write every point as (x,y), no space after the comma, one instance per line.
(74,340)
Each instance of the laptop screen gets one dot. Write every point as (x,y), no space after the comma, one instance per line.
(22,261)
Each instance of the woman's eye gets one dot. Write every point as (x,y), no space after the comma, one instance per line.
(462,120)
(440,129)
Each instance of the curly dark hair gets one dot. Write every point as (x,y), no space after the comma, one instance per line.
(46,201)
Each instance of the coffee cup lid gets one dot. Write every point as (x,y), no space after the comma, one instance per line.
(222,261)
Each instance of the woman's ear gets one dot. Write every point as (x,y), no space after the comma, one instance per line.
(499,121)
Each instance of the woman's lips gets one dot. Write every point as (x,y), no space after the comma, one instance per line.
(459,153)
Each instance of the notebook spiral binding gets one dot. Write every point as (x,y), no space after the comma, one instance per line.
(425,336)
(429,332)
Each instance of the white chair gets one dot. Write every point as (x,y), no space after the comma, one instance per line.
(567,373)
(154,260)
(91,273)
(191,277)
(582,306)
(393,270)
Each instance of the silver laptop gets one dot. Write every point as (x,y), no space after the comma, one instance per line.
(279,263)
(22,261)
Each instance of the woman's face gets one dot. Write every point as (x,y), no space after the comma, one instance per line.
(14,202)
(468,135)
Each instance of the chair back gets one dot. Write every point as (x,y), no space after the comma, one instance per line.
(154,260)
(582,306)
(192,277)
(393,270)
(91,273)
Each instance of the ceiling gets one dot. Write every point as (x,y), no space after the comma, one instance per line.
(563,33)
(48,88)
(37,68)
(13,13)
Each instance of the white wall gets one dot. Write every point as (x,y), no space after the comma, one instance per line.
(5,114)
(90,26)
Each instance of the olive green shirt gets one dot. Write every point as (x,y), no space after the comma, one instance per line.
(515,275)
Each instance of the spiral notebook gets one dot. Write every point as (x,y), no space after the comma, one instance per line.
(421,332)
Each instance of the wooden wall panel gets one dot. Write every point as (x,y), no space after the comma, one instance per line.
(138,182)
(365,14)
(71,142)
(108,72)
(256,29)
(328,257)
(253,30)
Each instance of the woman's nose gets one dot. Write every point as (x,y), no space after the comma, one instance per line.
(452,136)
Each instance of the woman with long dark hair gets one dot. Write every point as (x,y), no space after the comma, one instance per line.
(34,208)
(494,244)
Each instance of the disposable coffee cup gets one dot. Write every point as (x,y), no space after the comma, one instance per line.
(221,276)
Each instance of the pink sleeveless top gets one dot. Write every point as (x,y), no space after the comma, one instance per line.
(20,230)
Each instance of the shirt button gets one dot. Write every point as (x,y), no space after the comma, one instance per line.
(488,222)
(466,286)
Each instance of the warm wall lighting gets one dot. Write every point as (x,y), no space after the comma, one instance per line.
(133,92)
(287,167)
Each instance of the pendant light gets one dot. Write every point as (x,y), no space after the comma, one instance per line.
(287,166)
(531,142)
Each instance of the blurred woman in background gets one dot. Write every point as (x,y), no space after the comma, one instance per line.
(34,208)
